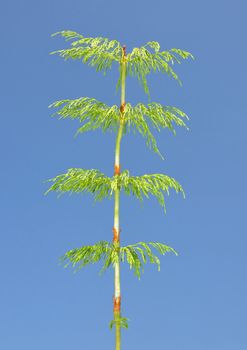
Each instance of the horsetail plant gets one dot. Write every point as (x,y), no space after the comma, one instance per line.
(101,53)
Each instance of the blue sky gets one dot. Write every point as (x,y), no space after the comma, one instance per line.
(198,299)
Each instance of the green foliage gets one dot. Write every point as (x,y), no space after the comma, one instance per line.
(97,52)
(102,52)
(95,114)
(92,254)
(141,186)
(101,186)
(92,113)
(140,116)
(81,180)
(136,255)
(122,321)
(142,61)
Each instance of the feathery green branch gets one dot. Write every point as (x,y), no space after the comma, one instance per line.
(136,255)
(91,254)
(101,186)
(81,180)
(159,116)
(97,52)
(141,186)
(92,113)
(142,61)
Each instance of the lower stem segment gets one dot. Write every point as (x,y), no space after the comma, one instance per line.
(118,329)
(117,290)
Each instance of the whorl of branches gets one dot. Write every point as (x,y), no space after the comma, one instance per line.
(136,255)
(102,52)
(94,114)
(101,186)
(123,322)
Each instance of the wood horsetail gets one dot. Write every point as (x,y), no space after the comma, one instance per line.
(102,53)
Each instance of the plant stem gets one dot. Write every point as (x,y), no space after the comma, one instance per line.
(116,228)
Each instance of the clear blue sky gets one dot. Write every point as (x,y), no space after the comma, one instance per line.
(198,299)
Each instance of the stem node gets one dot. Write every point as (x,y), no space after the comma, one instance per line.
(116,234)
(122,107)
(117,304)
(116,169)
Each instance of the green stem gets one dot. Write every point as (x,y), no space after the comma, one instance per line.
(116,229)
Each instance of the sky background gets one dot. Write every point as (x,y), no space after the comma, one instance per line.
(198,299)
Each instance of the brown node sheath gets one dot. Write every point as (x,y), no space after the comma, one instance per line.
(117,304)
(116,169)
(116,234)
(122,107)
(124,50)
